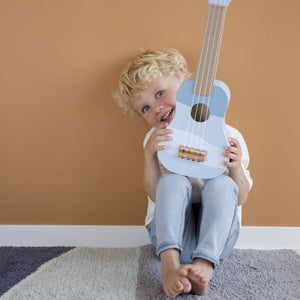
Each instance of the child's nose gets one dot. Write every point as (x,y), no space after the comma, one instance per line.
(158,108)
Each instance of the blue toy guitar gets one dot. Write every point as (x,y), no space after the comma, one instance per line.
(199,133)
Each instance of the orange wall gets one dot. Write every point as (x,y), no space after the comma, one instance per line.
(69,156)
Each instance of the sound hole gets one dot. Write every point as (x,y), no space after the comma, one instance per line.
(200,112)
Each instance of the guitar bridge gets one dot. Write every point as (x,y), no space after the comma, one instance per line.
(191,153)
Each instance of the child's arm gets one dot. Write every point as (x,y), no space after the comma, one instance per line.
(234,153)
(152,170)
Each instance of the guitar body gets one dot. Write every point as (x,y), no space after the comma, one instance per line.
(209,135)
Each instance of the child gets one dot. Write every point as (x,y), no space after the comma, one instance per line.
(193,223)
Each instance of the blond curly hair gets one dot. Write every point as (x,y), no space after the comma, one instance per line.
(142,69)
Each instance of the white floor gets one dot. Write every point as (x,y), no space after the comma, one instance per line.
(131,236)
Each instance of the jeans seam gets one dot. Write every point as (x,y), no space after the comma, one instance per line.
(230,235)
(180,227)
(235,193)
(181,231)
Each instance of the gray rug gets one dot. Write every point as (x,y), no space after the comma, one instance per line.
(243,275)
(133,273)
(16,263)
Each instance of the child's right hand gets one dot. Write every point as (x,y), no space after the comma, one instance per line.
(161,133)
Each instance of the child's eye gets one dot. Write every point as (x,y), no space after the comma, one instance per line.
(145,109)
(159,94)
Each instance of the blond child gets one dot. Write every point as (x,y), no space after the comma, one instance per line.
(192,223)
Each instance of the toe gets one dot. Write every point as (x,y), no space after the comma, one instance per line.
(179,286)
(173,293)
(195,273)
(187,285)
(183,271)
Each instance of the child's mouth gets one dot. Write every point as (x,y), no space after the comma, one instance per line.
(168,116)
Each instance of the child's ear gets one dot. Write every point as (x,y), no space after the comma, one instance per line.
(186,76)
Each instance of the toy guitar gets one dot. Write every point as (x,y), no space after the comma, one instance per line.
(199,133)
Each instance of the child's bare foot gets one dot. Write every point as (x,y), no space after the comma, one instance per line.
(199,274)
(173,283)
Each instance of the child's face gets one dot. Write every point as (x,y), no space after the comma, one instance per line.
(157,102)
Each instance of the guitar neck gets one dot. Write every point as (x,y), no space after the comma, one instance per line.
(207,66)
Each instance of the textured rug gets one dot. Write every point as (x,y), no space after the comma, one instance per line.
(133,273)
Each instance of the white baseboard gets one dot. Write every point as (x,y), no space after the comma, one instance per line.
(251,237)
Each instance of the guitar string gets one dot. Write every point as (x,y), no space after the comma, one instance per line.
(193,98)
(207,37)
(205,83)
(206,68)
(207,89)
(217,38)
(205,73)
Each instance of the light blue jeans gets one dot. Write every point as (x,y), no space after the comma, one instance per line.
(208,230)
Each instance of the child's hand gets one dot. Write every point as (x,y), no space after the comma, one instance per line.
(234,153)
(159,134)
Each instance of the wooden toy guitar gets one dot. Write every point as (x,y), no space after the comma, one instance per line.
(199,133)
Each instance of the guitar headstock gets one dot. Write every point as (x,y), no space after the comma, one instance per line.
(224,3)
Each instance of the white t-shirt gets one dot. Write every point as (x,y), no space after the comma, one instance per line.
(197,183)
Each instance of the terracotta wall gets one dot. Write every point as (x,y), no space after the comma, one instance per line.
(69,156)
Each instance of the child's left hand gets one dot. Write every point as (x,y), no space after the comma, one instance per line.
(234,153)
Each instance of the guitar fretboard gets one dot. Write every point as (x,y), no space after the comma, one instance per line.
(207,66)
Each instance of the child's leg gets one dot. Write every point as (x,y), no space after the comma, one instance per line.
(172,217)
(218,218)
(218,232)
(172,203)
